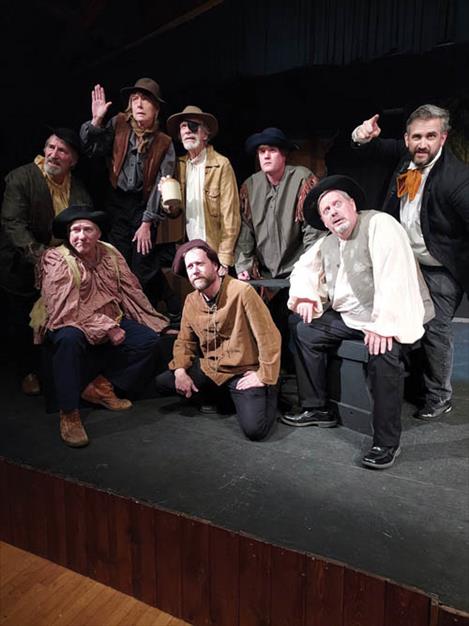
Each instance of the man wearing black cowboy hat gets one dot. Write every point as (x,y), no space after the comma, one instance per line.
(139,155)
(361,281)
(101,327)
(209,188)
(273,231)
(34,194)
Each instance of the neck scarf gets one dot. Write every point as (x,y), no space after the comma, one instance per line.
(408,183)
(143,135)
(60,192)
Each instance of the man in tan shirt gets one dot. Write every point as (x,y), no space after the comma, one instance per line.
(227,324)
(99,325)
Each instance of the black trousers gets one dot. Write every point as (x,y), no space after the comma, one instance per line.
(75,362)
(256,408)
(125,210)
(23,353)
(385,372)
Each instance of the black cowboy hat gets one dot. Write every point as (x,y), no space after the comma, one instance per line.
(68,135)
(269,137)
(76,212)
(331,183)
(179,266)
(148,86)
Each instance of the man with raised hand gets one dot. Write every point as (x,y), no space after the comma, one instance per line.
(429,196)
(139,154)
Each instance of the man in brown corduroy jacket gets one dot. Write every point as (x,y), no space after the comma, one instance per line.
(227,341)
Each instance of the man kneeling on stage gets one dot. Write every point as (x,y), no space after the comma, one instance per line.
(361,281)
(227,341)
(99,323)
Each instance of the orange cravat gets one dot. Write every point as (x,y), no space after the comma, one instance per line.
(409,183)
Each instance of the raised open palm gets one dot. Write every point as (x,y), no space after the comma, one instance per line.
(99,106)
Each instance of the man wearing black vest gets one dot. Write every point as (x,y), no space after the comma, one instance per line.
(429,195)
(139,155)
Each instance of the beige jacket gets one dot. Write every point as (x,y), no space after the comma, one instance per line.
(221,203)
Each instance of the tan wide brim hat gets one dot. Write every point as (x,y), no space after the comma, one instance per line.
(191,113)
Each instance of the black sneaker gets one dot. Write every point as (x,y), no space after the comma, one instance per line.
(381,457)
(310,417)
(433,411)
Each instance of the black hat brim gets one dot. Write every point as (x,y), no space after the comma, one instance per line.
(331,183)
(268,138)
(69,136)
(77,212)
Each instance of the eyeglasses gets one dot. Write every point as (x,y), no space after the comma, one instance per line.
(192,126)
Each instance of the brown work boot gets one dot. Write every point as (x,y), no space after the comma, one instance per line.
(100,391)
(71,429)
(30,385)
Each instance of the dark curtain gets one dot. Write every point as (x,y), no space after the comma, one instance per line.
(243,38)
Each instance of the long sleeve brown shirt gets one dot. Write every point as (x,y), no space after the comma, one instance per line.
(233,336)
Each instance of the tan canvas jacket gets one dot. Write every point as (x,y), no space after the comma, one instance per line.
(221,203)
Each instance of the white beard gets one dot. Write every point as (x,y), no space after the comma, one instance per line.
(191,144)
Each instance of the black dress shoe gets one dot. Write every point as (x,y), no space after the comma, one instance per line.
(433,411)
(310,417)
(381,457)
(208,409)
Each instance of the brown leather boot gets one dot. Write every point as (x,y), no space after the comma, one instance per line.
(30,385)
(100,391)
(71,429)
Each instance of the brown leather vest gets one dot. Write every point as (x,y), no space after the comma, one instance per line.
(155,154)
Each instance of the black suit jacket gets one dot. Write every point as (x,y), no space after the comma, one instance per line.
(444,213)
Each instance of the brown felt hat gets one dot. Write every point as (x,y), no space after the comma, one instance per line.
(147,86)
(191,113)
(179,266)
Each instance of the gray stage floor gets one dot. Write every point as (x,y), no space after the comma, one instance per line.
(302,488)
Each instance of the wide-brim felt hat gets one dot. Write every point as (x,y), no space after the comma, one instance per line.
(179,265)
(191,112)
(69,136)
(76,212)
(148,86)
(331,183)
(269,137)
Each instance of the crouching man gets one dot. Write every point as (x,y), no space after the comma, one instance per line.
(361,281)
(227,324)
(102,329)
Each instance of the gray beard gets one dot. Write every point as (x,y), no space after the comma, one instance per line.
(342,228)
(52,170)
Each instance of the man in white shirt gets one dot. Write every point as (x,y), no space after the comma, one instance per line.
(429,195)
(209,187)
(361,281)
